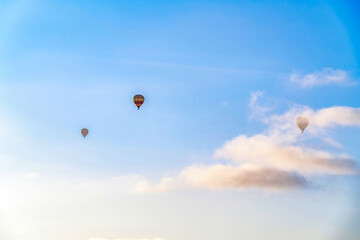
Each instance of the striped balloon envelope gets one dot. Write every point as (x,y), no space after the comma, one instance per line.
(138,100)
(84,132)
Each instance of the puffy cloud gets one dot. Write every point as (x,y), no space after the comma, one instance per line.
(283,127)
(320,78)
(343,116)
(262,149)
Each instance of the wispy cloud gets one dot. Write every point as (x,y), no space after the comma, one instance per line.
(331,142)
(324,77)
(213,69)
(255,108)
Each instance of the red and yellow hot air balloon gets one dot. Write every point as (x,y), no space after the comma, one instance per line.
(138,100)
(84,132)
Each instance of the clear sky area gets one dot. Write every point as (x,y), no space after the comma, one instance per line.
(214,153)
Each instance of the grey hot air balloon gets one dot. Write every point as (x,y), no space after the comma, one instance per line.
(302,123)
(84,132)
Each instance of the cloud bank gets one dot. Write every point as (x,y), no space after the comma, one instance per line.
(219,176)
(273,159)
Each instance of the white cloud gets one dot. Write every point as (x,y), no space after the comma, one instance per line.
(282,128)
(217,177)
(272,159)
(343,116)
(263,150)
(320,78)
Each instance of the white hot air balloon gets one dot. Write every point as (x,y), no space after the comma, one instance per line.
(302,123)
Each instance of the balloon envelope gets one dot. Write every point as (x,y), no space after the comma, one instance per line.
(302,123)
(84,132)
(138,100)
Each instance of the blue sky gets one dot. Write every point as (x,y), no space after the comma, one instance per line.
(219,77)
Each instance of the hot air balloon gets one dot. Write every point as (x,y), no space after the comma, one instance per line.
(138,100)
(302,123)
(84,132)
